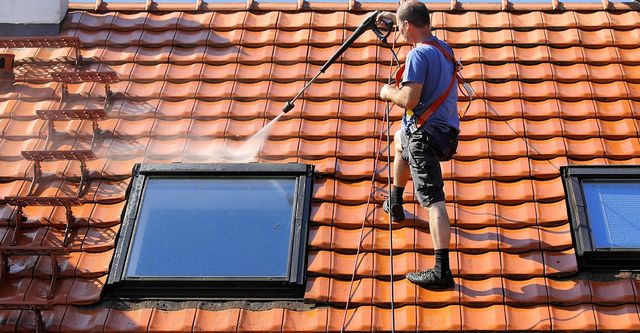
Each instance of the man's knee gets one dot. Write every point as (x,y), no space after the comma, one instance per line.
(397,140)
(437,205)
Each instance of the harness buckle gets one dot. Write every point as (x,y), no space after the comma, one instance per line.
(459,66)
(413,128)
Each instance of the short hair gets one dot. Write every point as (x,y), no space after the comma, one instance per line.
(414,12)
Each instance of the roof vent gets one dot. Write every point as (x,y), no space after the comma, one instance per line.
(32,17)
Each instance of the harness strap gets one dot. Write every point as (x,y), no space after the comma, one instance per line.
(438,102)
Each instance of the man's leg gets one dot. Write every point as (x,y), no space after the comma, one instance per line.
(429,189)
(401,174)
(401,171)
(440,275)
(440,235)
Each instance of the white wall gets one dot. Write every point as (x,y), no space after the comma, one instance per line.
(33,11)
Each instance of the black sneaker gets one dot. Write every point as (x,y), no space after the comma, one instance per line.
(429,279)
(397,212)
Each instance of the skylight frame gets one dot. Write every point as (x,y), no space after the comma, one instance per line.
(588,255)
(119,286)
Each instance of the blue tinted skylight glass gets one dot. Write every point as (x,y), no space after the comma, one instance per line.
(613,210)
(203,227)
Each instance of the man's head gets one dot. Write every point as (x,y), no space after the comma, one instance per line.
(414,13)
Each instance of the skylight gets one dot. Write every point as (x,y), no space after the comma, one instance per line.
(234,229)
(603,202)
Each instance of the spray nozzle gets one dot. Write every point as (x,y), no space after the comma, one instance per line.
(288,107)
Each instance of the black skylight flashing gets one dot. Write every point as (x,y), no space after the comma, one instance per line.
(589,257)
(216,288)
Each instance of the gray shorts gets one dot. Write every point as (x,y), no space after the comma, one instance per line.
(425,167)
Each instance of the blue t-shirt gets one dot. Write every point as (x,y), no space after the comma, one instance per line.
(425,64)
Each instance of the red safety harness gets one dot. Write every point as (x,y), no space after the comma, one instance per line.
(438,102)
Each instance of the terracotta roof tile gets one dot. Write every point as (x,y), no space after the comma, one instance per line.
(574,317)
(132,320)
(222,55)
(623,317)
(305,321)
(171,321)
(294,21)
(188,21)
(473,318)
(530,318)
(482,292)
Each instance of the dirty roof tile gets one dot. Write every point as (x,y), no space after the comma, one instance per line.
(128,320)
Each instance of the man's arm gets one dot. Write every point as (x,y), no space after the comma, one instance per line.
(408,96)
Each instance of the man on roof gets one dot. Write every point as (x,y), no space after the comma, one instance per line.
(429,132)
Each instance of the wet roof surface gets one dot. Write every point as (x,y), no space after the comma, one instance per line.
(564,89)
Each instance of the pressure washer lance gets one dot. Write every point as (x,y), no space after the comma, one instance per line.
(368,23)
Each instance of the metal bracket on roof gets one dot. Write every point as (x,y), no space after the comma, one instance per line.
(37,174)
(65,202)
(64,115)
(39,324)
(54,274)
(20,217)
(4,267)
(59,155)
(52,252)
(44,41)
(104,77)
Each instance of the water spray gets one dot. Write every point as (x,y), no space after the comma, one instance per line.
(250,148)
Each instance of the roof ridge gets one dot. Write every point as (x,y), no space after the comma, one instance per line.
(352,6)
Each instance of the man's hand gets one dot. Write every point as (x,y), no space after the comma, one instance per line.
(384,18)
(386,92)
(408,96)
